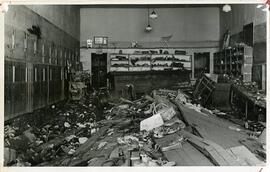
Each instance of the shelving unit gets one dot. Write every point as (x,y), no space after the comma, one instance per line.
(235,61)
(149,62)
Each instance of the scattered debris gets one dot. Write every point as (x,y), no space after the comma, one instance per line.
(94,131)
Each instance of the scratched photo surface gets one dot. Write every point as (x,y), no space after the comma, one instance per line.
(135,85)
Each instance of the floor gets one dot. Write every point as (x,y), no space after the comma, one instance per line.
(84,133)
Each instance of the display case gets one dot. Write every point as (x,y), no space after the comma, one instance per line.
(149,62)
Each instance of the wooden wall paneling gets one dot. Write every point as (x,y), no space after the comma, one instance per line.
(30,49)
(44,84)
(8,41)
(54,84)
(36,88)
(17,88)
(48,84)
(22,87)
(52,88)
(39,50)
(29,84)
(60,55)
(27,92)
(46,51)
(66,84)
(8,82)
(64,56)
(39,81)
(19,44)
(59,83)
(12,85)
(53,53)
(56,54)
(62,83)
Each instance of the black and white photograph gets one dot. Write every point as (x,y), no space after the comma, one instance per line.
(134,84)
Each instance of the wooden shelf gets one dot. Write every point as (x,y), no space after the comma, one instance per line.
(236,57)
(171,59)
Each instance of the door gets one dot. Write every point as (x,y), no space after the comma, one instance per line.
(99,70)
(201,63)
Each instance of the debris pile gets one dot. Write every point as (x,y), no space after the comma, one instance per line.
(132,133)
(62,133)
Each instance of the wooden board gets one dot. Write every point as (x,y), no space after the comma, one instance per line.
(216,153)
(213,128)
(242,153)
(185,156)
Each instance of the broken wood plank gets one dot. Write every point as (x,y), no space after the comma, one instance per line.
(188,155)
(214,151)
(212,128)
(244,154)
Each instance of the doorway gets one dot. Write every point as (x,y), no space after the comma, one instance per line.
(99,70)
(201,63)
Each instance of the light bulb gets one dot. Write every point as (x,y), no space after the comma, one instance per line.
(148,28)
(153,15)
(259,6)
(226,8)
(4,7)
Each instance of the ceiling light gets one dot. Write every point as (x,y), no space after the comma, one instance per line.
(153,15)
(265,9)
(259,6)
(4,7)
(148,28)
(226,8)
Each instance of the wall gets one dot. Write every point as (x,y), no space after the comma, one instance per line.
(35,69)
(193,30)
(68,17)
(234,20)
(85,54)
(189,26)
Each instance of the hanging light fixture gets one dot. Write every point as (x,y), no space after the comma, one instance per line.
(226,8)
(4,7)
(153,15)
(265,9)
(148,27)
(259,6)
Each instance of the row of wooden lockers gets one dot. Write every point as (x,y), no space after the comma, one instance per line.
(19,72)
(20,45)
(28,87)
